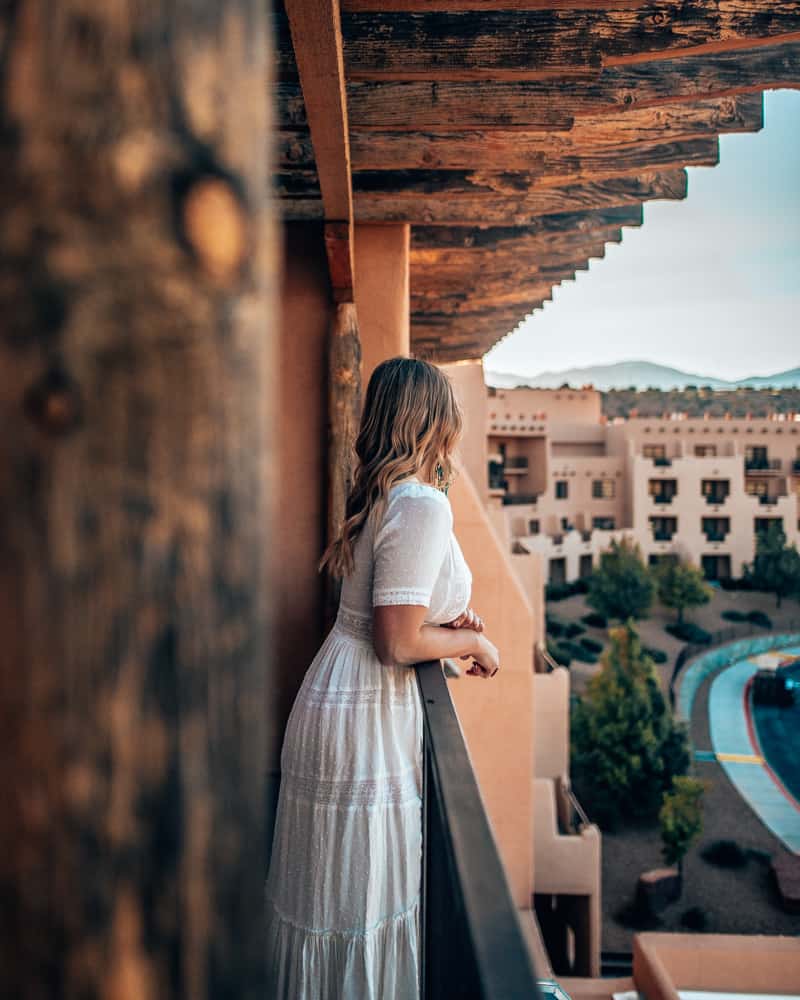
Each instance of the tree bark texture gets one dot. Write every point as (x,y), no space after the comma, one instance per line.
(137,302)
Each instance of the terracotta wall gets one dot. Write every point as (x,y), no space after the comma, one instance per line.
(467,379)
(497,715)
(718,962)
(382,306)
(305,301)
(382,293)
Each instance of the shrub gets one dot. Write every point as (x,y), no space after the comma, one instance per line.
(591,644)
(759,618)
(694,919)
(734,616)
(595,619)
(724,854)
(623,707)
(555,626)
(561,591)
(621,586)
(558,654)
(681,586)
(581,586)
(740,583)
(656,655)
(689,632)
(573,629)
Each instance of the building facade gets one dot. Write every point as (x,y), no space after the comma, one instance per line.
(568,482)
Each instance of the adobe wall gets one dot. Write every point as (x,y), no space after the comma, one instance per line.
(305,302)
(719,962)
(497,714)
(382,293)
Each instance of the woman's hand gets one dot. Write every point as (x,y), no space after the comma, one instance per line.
(467,619)
(486,659)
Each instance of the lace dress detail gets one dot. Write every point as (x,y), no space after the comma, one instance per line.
(344,879)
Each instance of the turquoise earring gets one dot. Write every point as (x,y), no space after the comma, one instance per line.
(440,483)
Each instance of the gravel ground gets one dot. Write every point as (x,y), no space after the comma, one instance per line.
(739,901)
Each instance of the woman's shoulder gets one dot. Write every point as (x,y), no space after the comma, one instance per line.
(413,489)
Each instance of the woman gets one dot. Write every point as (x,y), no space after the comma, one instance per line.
(344,879)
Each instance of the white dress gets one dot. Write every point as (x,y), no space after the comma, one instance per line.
(344,879)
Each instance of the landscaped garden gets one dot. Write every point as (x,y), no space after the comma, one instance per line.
(632,764)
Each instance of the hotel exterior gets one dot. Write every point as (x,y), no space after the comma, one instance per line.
(568,481)
(221,218)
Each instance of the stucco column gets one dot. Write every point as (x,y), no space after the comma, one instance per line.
(382,293)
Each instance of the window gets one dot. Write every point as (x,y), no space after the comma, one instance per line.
(533,527)
(562,489)
(604,489)
(705,450)
(715,490)
(654,451)
(603,523)
(558,570)
(585,566)
(716,567)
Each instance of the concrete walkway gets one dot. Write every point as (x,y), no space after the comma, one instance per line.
(736,749)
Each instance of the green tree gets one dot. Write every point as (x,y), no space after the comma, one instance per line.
(681,819)
(776,567)
(681,586)
(626,746)
(621,586)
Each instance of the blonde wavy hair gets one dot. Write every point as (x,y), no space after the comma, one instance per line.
(410,425)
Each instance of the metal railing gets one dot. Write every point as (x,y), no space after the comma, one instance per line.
(661,460)
(767,501)
(716,499)
(514,498)
(473,945)
(516,462)
(571,816)
(663,536)
(663,498)
(716,536)
(762,464)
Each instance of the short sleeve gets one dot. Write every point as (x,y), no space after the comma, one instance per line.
(410,546)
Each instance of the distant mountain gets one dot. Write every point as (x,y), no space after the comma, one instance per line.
(641,374)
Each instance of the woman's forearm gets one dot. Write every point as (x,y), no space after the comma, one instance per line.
(430,642)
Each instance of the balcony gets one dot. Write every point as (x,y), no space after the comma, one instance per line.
(516,466)
(663,498)
(716,536)
(473,944)
(796,467)
(662,535)
(761,464)
(716,499)
(768,501)
(662,461)
(520,498)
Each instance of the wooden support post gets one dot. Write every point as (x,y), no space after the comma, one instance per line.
(316,34)
(136,360)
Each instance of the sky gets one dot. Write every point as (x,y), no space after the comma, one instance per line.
(710,285)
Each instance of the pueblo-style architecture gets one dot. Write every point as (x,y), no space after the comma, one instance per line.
(217,219)
(568,481)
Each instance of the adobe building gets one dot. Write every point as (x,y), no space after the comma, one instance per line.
(217,219)
(696,489)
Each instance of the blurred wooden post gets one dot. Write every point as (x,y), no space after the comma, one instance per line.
(137,300)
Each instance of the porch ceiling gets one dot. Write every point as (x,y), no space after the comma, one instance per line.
(519,136)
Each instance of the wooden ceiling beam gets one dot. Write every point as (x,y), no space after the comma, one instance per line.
(547,227)
(523,246)
(555,106)
(457,6)
(462,274)
(315,27)
(525,45)
(551,152)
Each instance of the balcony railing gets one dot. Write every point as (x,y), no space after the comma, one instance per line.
(767,501)
(762,464)
(796,466)
(662,460)
(586,536)
(716,499)
(472,944)
(516,462)
(663,498)
(520,498)
(663,536)
(716,536)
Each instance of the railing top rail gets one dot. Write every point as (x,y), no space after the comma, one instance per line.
(502,958)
